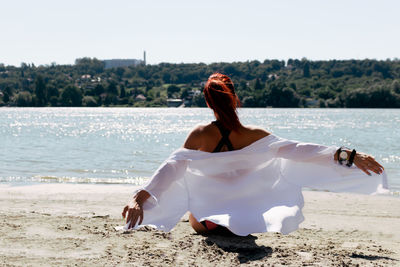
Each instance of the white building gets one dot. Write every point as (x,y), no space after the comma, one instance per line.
(115,63)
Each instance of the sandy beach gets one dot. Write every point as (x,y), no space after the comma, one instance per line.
(69,224)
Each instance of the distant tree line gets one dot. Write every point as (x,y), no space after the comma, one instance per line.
(294,83)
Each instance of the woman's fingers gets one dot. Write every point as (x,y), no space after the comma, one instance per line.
(124,211)
(379,165)
(365,170)
(374,166)
(129,217)
(375,170)
(133,221)
(135,215)
(375,163)
(141,216)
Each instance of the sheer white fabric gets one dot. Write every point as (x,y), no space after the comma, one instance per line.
(252,190)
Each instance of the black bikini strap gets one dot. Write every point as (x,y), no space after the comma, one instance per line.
(224,140)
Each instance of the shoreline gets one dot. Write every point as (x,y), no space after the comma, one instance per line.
(65,224)
(62,183)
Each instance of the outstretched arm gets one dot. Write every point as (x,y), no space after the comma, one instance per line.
(309,152)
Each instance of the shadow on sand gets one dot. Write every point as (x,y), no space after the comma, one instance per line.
(245,246)
(371,257)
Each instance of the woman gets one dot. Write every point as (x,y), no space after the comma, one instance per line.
(228,134)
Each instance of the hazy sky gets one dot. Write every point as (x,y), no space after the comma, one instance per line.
(45,31)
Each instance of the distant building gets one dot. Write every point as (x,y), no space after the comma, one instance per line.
(115,63)
(310,102)
(174,102)
(273,76)
(140,97)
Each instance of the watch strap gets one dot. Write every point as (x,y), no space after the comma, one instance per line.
(338,155)
(351,158)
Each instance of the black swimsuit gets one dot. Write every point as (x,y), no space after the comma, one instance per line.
(225,138)
(218,229)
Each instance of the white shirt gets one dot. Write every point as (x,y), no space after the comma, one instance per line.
(251,190)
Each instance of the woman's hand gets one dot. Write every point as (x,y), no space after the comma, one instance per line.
(367,163)
(135,213)
(135,209)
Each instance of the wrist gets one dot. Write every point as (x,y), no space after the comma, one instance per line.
(141,197)
(345,156)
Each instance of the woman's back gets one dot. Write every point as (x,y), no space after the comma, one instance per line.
(214,137)
(207,137)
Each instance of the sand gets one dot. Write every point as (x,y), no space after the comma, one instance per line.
(67,225)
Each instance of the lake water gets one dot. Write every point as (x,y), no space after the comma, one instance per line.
(125,145)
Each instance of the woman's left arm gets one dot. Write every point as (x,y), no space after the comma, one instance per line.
(309,152)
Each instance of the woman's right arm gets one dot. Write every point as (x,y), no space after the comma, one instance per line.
(135,209)
(169,171)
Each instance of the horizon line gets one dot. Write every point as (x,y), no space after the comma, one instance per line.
(200,62)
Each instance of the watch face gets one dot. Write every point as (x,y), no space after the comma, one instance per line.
(343,155)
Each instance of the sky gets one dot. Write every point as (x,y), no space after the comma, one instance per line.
(47,31)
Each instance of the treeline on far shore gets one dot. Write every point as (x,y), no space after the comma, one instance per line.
(272,83)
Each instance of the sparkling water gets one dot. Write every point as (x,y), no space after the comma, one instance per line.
(125,145)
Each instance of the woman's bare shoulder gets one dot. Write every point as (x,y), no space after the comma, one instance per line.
(257,132)
(196,136)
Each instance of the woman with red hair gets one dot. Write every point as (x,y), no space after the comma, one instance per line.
(224,134)
(224,187)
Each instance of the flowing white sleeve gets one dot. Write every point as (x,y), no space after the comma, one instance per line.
(313,166)
(169,198)
(169,172)
(305,152)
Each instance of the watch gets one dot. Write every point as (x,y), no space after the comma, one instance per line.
(342,155)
